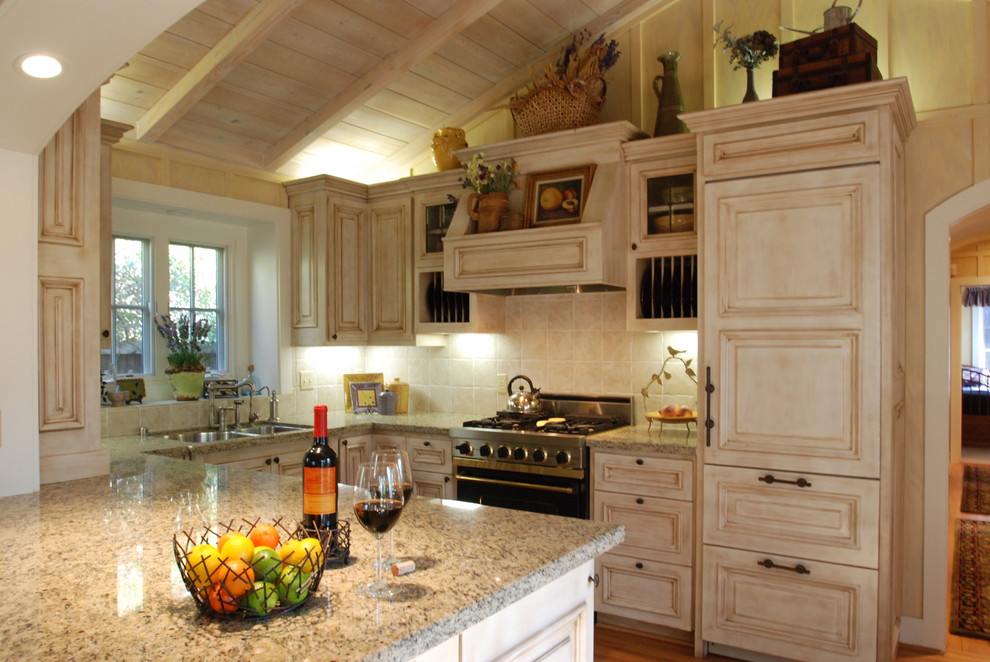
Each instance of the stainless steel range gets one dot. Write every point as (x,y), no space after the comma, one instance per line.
(535,461)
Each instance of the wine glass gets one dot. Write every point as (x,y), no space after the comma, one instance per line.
(398,457)
(378,502)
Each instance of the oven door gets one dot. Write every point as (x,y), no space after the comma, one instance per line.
(537,489)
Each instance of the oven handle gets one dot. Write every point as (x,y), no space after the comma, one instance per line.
(514,483)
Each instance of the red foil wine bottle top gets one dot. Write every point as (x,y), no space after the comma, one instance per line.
(403,567)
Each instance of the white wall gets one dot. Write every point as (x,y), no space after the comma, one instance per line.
(19,463)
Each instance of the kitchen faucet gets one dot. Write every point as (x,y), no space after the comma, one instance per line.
(252,417)
(272,404)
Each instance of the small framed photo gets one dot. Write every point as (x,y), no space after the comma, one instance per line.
(364,396)
(350,378)
(557,197)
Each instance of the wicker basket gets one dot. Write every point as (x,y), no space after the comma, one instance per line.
(551,108)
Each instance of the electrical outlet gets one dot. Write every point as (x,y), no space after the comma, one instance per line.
(307,380)
(502,383)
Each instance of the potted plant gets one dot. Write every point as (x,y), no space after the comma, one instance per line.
(186,372)
(491,185)
(747,52)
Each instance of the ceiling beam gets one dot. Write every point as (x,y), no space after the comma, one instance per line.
(379,77)
(213,67)
(615,20)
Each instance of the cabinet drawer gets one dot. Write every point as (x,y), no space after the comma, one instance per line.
(648,475)
(821,142)
(644,590)
(656,529)
(827,615)
(430,454)
(832,519)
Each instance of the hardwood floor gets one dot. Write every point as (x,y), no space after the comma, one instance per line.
(614,644)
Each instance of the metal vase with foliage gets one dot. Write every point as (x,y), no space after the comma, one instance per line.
(186,372)
(747,52)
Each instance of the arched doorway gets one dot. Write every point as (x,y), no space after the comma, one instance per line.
(953,218)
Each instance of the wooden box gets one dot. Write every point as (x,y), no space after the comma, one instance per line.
(843,41)
(835,72)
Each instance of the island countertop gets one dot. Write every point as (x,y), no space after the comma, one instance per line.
(91,573)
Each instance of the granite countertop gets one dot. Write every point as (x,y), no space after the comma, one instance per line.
(93,575)
(674,439)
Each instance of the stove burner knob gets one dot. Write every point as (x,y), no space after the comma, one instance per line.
(465,448)
(485,450)
(539,455)
(503,452)
(563,457)
(519,454)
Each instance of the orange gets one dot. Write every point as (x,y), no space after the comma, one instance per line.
(236,546)
(550,198)
(264,535)
(236,577)
(203,561)
(220,600)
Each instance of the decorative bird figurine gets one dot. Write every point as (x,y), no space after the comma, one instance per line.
(674,352)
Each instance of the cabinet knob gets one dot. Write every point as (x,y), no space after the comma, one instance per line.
(640,462)
(426,443)
(343,442)
(333,337)
(106,333)
(446,479)
(268,461)
(639,565)
(634,246)
(594,579)
(639,501)
(277,460)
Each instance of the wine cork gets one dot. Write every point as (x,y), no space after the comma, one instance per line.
(403,567)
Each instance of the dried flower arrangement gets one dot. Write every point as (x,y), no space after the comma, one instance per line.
(748,51)
(484,178)
(570,93)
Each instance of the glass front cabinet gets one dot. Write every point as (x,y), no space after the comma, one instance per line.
(662,291)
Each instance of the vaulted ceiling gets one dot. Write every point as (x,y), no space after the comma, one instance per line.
(353,88)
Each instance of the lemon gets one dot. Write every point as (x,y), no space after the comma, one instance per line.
(203,561)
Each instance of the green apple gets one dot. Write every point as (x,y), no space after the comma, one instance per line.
(266,563)
(292,586)
(261,599)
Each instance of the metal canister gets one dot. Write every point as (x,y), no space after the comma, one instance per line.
(386,403)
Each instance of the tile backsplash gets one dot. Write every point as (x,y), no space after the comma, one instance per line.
(565,343)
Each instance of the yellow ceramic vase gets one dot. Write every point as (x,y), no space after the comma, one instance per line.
(187,385)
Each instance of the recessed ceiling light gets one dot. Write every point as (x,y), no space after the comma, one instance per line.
(40,66)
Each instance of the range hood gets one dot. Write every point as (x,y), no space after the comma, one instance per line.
(589,256)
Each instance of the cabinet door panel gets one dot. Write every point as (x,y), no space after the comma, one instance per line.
(349,276)
(433,485)
(646,591)
(649,475)
(796,246)
(832,519)
(391,272)
(799,399)
(656,529)
(828,615)
(430,455)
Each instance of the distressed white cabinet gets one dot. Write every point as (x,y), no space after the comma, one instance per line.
(430,459)
(802,242)
(351,264)
(353,450)
(285,459)
(649,576)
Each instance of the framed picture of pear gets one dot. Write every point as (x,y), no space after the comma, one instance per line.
(557,197)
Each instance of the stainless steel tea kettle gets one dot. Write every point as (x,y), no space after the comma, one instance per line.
(523,401)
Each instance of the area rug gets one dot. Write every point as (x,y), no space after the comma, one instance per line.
(976,489)
(971,580)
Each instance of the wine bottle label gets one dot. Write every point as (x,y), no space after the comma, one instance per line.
(319,490)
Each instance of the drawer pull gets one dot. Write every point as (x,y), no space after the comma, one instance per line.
(639,565)
(799,569)
(426,443)
(770,480)
(640,462)
(639,501)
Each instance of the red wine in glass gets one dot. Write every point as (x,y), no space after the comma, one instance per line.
(377,516)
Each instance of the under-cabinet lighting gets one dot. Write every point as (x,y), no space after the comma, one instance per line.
(39,66)
(431,340)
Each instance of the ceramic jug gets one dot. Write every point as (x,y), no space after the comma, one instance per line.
(445,142)
(668,91)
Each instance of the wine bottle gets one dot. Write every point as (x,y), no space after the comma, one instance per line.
(320,478)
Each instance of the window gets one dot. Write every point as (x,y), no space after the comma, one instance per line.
(195,289)
(131,343)
(981,336)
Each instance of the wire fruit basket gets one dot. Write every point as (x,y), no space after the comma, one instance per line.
(272,583)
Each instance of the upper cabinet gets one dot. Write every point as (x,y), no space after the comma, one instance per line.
(351,264)
(662,280)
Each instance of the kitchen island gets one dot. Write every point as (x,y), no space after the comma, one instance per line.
(91,575)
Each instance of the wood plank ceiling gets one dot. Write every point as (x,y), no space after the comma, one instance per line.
(353,88)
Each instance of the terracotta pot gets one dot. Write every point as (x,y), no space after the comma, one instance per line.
(445,142)
(487,209)
(187,385)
